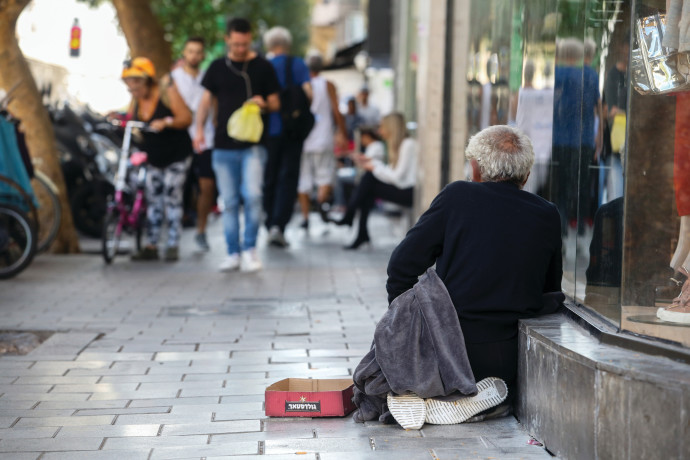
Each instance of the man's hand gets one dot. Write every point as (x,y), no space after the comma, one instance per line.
(260,101)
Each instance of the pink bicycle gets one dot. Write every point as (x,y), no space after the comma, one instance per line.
(126,213)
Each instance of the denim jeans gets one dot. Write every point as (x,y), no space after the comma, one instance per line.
(239,174)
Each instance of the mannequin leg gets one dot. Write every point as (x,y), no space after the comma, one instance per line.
(682,253)
(679,310)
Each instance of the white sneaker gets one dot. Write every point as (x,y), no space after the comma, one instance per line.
(408,410)
(230,263)
(251,261)
(491,392)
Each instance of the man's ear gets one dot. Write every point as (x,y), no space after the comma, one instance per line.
(526,178)
(476,174)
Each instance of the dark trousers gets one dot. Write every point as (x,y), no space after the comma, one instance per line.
(495,359)
(366,192)
(571,184)
(280,180)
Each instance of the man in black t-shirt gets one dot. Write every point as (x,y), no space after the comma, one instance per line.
(232,80)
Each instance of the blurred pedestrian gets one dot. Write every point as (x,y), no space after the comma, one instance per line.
(576,91)
(615,110)
(188,77)
(318,158)
(284,148)
(168,146)
(368,113)
(393,182)
(234,79)
(353,120)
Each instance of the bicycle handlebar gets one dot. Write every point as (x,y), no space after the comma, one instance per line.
(130,124)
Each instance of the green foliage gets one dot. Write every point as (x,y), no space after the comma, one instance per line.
(207,18)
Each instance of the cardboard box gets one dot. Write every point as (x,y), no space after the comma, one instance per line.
(310,398)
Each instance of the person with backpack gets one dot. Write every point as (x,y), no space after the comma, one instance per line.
(286,133)
(168,146)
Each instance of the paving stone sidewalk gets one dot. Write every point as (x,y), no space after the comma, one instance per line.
(170,360)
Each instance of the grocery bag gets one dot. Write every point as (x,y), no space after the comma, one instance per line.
(245,124)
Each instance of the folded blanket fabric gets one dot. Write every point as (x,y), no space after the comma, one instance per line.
(418,347)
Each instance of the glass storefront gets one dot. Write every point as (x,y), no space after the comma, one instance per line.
(605,101)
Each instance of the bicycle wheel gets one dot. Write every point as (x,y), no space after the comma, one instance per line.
(49,211)
(17,241)
(19,199)
(112,233)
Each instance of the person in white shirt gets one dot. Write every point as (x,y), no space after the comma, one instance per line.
(393,182)
(318,160)
(374,148)
(188,78)
(369,115)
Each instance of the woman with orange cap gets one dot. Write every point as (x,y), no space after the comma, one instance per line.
(168,146)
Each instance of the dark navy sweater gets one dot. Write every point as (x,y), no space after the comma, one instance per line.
(497,249)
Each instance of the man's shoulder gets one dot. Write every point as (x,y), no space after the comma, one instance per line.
(260,61)
(460,186)
(215,66)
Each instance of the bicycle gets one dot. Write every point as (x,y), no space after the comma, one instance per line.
(126,212)
(17,230)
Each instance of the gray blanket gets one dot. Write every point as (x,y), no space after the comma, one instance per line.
(418,347)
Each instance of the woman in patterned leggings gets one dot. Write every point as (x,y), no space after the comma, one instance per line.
(168,147)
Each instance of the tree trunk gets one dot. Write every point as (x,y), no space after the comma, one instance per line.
(27,106)
(144,34)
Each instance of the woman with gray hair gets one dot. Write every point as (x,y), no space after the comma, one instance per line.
(496,247)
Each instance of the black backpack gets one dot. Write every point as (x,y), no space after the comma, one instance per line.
(295,108)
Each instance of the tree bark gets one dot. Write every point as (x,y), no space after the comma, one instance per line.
(144,34)
(27,106)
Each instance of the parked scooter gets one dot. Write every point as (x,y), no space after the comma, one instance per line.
(87,184)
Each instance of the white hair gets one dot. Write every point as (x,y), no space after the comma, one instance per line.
(503,154)
(570,49)
(277,37)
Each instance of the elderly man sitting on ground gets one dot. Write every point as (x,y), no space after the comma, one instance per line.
(497,251)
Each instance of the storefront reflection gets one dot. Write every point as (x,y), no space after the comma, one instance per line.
(611,162)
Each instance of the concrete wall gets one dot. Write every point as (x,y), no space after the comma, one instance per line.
(586,400)
(430,109)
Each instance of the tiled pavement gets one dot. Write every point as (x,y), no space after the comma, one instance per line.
(162,361)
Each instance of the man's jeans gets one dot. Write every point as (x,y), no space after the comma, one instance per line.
(239,173)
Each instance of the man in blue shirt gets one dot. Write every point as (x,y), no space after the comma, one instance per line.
(284,152)
(576,106)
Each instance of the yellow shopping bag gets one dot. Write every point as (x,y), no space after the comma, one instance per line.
(618,132)
(245,124)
